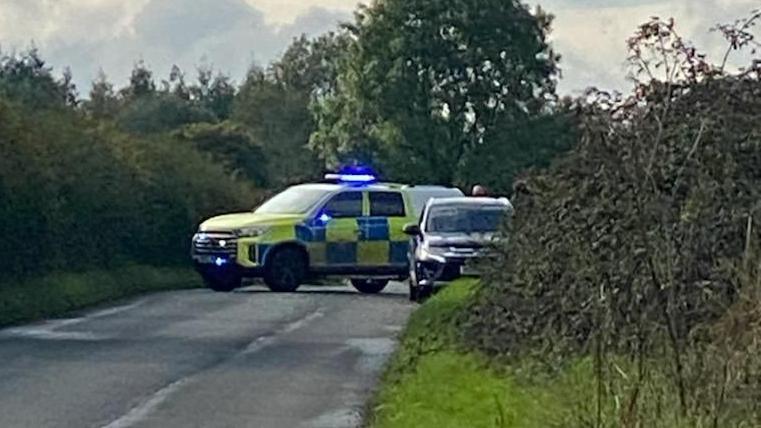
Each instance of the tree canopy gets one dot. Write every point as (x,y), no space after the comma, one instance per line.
(28,79)
(424,91)
(426,83)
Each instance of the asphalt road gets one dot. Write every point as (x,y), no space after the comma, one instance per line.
(201,359)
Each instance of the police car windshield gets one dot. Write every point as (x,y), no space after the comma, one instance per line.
(296,200)
(465,219)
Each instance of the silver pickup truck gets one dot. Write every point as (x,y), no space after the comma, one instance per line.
(451,234)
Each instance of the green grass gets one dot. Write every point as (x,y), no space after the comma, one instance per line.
(432,382)
(56,294)
(451,389)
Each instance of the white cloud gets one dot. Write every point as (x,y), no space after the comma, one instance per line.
(92,34)
(287,11)
(113,34)
(591,34)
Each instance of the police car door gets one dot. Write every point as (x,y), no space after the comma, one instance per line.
(341,229)
(382,241)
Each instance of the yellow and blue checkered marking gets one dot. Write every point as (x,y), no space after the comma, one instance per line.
(364,241)
(341,253)
(315,233)
(398,252)
(373,229)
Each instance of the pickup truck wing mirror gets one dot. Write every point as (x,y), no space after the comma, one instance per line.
(412,229)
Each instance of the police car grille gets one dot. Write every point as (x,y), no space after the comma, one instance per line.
(211,244)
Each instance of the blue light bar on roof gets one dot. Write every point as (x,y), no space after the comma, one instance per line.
(350,178)
(354,175)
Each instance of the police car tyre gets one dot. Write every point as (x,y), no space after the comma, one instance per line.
(369,286)
(223,283)
(286,270)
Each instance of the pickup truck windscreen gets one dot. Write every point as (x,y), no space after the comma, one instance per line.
(465,219)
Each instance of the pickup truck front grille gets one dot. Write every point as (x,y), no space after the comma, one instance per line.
(215,243)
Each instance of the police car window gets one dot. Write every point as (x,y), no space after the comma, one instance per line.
(386,204)
(347,204)
(295,200)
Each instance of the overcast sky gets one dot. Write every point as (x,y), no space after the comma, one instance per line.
(89,35)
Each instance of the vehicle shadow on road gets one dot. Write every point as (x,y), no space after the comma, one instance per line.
(326,291)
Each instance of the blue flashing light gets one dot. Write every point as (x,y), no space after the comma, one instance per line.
(358,175)
(220,262)
(358,179)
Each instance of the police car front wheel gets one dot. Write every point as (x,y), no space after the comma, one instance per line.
(223,282)
(286,269)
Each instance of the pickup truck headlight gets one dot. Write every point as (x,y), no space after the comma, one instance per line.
(251,232)
(436,254)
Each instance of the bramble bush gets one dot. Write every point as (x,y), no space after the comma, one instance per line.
(640,248)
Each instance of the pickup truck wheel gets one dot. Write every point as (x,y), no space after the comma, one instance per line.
(369,286)
(223,282)
(286,269)
(413,291)
(424,293)
(414,286)
(419,292)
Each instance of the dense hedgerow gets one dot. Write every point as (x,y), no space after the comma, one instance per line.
(640,248)
(76,194)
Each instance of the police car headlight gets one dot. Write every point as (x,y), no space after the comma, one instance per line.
(251,232)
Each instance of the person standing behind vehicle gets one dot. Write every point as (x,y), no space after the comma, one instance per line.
(479,191)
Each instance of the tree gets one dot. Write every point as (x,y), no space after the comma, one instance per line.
(176,84)
(280,121)
(26,78)
(147,110)
(309,65)
(214,93)
(140,82)
(103,102)
(230,145)
(275,105)
(513,148)
(427,82)
(161,112)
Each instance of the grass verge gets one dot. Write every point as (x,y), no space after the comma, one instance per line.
(432,382)
(56,294)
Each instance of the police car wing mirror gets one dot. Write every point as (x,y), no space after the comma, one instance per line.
(412,229)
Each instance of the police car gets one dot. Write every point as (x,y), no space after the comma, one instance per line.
(349,226)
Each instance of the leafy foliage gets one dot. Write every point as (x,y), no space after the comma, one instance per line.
(279,120)
(141,165)
(426,83)
(103,103)
(160,112)
(59,294)
(215,93)
(27,79)
(229,144)
(274,105)
(75,195)
(643,242)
